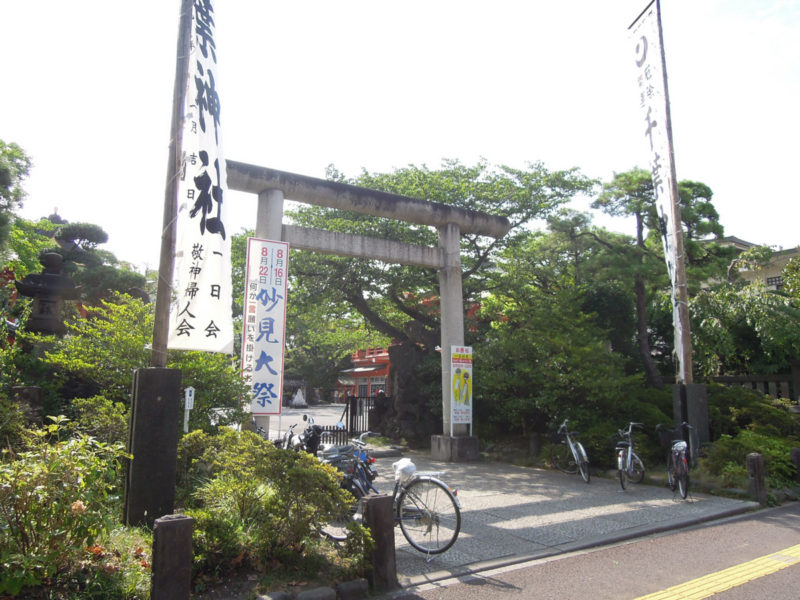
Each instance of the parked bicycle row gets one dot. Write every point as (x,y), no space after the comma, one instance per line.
(567,454)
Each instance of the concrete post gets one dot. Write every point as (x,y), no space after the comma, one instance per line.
(690,404)
(755,470)
(452,313)
(171,577)
(379,518)
(153,442)
(269,221)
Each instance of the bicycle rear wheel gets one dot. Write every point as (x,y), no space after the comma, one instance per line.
(583,465)
(671,471)
(562,459)
(623,478)
(637,469)
(429,516)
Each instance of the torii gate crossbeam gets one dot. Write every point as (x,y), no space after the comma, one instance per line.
(273,186)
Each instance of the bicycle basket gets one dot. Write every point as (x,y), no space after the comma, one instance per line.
(557,437)
(404,469)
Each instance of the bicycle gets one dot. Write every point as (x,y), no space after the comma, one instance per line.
(568,454)
(426,509)
(629,466)
(678,456)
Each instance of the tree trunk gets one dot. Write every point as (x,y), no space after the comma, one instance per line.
(642,338)
(409,417)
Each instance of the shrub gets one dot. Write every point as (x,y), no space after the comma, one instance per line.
(733,408)
(101,418)
(255,504)
(54,502)
(727,454)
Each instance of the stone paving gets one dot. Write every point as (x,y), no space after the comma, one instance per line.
(511,514)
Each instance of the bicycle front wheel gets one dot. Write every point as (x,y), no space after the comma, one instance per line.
(682,476)
(336,529)
(429,516)
(562,459)
(583,465)
(637,469)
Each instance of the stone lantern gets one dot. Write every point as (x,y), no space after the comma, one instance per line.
(48,289)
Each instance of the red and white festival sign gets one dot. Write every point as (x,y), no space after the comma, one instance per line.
(201,317)
(461,385)
(264,323)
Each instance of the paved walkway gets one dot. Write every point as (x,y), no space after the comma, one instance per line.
(512,514)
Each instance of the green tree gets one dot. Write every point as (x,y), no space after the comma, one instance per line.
(97,272)
(401,302)
(744,329)
(102,351)
(630,194)
(14,168)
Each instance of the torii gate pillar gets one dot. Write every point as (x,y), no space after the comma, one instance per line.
(460,446)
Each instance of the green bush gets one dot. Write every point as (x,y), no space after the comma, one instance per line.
(101,418)
(727,454)
(12,422)
(255,504)
(733,408)
(55,501)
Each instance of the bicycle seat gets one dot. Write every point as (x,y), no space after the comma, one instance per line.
(623,444)
(573,433)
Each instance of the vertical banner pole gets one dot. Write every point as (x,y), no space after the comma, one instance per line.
(646,35)
(168,232)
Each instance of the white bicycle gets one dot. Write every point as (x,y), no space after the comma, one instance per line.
(567,454)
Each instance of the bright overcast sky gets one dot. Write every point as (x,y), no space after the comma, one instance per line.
(87,92)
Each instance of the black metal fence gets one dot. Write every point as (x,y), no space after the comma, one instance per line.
(355,420)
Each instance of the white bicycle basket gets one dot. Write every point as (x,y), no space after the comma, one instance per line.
(404,470)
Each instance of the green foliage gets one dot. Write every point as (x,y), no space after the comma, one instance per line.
(744,329)
(255,504)
(54,502)
(29,239)
(101,419)
(220,393)
(791,278)
(732,409)
(729,453)
(14,168)
(12,422)
(104,349)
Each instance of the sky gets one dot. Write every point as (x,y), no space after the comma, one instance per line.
(381,84)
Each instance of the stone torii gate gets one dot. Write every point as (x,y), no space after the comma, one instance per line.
(273,187)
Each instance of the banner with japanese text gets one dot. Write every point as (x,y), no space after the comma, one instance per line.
(264,324)
(200,317)
(461,385)
(653,100)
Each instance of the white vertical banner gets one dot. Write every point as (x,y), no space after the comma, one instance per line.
(264,323)
(201,317)
(651,76)
(461,385)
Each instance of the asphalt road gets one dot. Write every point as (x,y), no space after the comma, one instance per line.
(703,559)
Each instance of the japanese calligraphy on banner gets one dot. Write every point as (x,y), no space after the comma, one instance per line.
(461,385)
(645,36)
(201,316)
(264,324)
